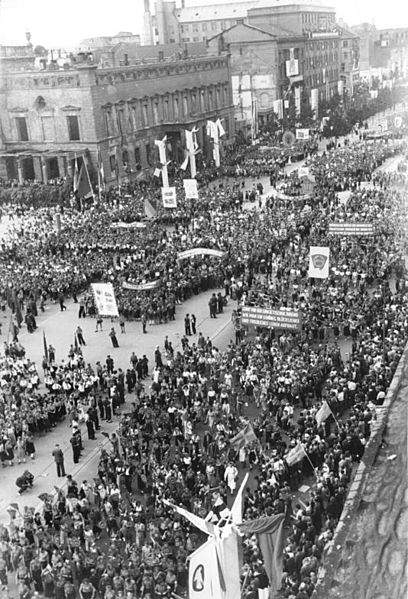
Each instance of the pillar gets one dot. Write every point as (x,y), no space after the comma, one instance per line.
(62,166)
(37,168)
(44,170)
(20,172)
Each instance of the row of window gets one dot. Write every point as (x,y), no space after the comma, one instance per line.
(48,128)
(138,114)
(195,27)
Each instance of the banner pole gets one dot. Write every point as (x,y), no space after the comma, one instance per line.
(309,460)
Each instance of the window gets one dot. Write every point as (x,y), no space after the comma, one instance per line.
(144,115)
(133,116)
(195,28)
(148,153)
(204,26)
(156,111)
(73,128)
(22,131)
(138,160)
(214,25)
(121,121)
(185,105)
(176,109)
(112,164)
(166,110)
(109,123)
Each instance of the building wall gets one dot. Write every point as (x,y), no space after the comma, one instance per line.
(118,110)
(291,20)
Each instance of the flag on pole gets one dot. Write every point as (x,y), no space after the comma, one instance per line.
(84,188)
(319,262)
(269,532)
(203,573)
(45,346)
(296,454)
(244,437)
(236,510)
(198,522)
(322,413)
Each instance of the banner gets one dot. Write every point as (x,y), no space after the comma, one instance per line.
(295,455)
(200,252)
(282,196)
(292,67)
(302,133)
(322,413)
(351,229)
(314,100)
(161,144)
(340,87)
(237,506)
(243,437)
(303,171)
(191,189)
(229,555)
(169,197)
(269,532)
(141,286)
(203,573)
(150,211)
(398,122)
(122,225)
(198,522)
(278,108)
(319,262)
(297,100)
(105,301)
(271,318)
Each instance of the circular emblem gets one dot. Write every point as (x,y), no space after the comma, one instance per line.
(319,260)
(198,578)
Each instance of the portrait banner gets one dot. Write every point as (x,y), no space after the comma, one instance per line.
(105,300)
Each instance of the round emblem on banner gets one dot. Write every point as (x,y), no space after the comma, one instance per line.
(288,138)
(198,578)
(319,260)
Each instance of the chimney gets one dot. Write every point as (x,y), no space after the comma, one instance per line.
(147,24)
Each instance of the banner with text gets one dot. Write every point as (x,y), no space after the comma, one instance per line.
(105,300)
(200,252)
(272,318)
(169,197)
(351,229)
(302,134)
(141,286)
(191,189)
(122,225)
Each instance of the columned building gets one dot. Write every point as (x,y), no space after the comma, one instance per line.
(52,116)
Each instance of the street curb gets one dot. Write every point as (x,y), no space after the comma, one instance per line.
(333,556)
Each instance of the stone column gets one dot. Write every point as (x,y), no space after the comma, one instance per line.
(44,170)
(62,166)
(20,171)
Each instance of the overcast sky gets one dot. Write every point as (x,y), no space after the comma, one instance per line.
(54,23)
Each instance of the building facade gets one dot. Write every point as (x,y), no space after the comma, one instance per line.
(50,116)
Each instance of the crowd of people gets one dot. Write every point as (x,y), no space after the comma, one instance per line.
(115,536)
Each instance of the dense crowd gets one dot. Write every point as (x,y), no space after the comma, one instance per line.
(114,537)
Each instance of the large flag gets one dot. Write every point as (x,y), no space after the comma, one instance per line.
(105,300)
(296,454)
(161,144)
(269,532)
(236,510)
(84,187)
(228,552)
(322,413)
(221,130)
(150,210)
(319,262)
(198,522)
(204,581)
(244,437)
(45,346)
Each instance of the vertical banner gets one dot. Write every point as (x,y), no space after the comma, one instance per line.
(215,131)
(203,573)
(314,100)
(278,108)
(169,197)
(297,100)
(161,144)
(319,262)
(228,552)
(340,87)
(191,189)
(105,300)
(191,151)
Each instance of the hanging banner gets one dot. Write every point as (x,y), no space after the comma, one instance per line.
(303,171)
(141,286)
(278,108)
(272,319)
(297,100)
(302,134)
(191,189)
(200,252)
(169,197)
(292,68)
(351,229)
(161,144)
(314,100)
(105,300)
(319,262)
(340,87)
(282,196)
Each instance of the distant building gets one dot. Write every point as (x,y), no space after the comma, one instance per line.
(383,51)
(123,37)
(49,116)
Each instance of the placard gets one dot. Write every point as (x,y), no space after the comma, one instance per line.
(169,197)
(191,189)
(351,229)
(319,262)
(302,134)
(105,300)
(272,318)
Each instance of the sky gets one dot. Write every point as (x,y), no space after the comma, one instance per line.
(58,24)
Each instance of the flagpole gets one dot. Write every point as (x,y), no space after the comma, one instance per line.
(334,417)
(87,174)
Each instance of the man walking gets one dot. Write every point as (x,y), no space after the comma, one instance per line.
(187,324)
(76,448)
(59,460)
(193,324)
(80,336)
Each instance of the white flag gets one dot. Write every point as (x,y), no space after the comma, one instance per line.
(221,130)
(203,573)
(198,522)
(236,510)
(322,413)
(319,262)
(296,454)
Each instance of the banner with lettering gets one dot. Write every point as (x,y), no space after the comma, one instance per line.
(123,225)
(200,252)
(169,197)
(351,229)
(191,189)
(105,300)
(302,134)
(141,286)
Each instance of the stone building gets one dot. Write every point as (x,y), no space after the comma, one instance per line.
(50,116)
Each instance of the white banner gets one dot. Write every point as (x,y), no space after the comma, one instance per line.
(200,252)
(302,133)
(340,87)
(169,197)
(319,262)
(292,68)
(303,171)
(105,300)
(278,108)
(314,100)
(141,286)
(191,189)
(122,225)
(297,100)
(203,573)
